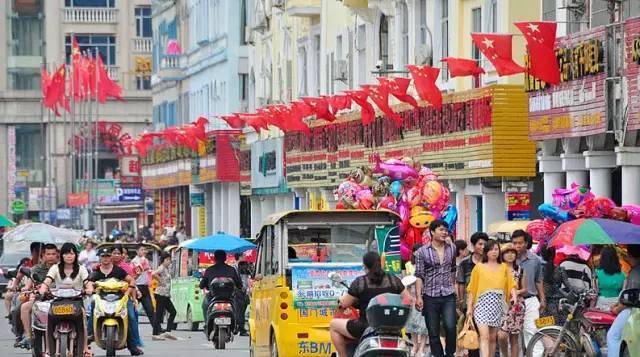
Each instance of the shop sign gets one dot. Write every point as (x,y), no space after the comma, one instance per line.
(576,106)
(632,71)
(129,194)
(518,206)
(42,198)
(196,199)
(478,133)
(267,164)
(129,166)
(11,162)
(245,168)
(202,222)
(388,239)
(18,206)
(63,213)
(77,199)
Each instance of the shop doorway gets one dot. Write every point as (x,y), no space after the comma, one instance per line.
(126,225)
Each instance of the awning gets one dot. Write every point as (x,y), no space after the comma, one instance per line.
(119,209)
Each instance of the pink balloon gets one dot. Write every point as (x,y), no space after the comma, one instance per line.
(396,169)
(633,211)
(364,199)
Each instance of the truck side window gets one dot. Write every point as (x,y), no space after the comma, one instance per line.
(275,251)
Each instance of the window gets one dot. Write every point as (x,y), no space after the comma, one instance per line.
(422,21)
(24,79)
(244,86)
(476,26)
(383,38)
(548,10)
(317,44)
(105,44)
(143,21)
(335,244)
(444,39)
(143,82)
(243,21)
(302,71)
(339,47)
(361,49)
(494,16)
(404,54)
(90,3)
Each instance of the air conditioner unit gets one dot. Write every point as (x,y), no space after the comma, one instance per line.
(424,55)
(278,3)
(340,70)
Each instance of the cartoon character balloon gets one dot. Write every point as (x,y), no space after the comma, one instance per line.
(396,169)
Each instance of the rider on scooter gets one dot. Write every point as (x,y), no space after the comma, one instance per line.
(362,290)
(218,270)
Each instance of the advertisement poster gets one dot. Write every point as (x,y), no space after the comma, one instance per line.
(388,239)
(313,289)
(518,206)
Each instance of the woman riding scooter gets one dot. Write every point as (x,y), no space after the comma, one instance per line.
(362,290)
(69,274)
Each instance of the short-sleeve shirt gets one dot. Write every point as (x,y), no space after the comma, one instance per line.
(610,284)
(463,274)
(363,289)
(532,266)
(116,273)
(143,264)
(41,270)
(164,281)
(76,282)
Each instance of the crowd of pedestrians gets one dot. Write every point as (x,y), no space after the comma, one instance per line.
(502,288)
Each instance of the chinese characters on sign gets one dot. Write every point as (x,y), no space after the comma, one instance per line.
(518,206)
(312,287)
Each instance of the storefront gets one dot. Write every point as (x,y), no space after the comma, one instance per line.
(198,190)
(270,193)
(587,125)
(477,143)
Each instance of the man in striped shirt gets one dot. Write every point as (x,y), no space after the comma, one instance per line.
(435,288)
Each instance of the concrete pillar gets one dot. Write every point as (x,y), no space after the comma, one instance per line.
(574,166)
(600,164)
(233,205)
(471,212)
(551,167)
(629,159)
(493,207)
(256,215)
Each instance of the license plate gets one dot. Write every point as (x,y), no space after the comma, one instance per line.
(222,321)
(545,321)
(62,309)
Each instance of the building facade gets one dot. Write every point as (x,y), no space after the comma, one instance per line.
(311,48)
(38,33)
(586,127)
(200,70)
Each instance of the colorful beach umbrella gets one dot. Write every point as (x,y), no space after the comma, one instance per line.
(595,231)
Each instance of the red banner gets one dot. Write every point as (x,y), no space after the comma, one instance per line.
(77,199)
(518,201)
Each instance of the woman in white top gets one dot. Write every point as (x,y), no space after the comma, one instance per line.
(68,274)
(88,257)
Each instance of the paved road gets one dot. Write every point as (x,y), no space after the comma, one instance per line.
(191,344)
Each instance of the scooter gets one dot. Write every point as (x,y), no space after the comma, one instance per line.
(39,319)
(220,321)
(110,316)
(65,324)
(386,314)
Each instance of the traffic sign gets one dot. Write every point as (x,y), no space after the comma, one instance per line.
(129,194)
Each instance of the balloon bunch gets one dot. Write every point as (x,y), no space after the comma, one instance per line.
(575,202)
(401,186)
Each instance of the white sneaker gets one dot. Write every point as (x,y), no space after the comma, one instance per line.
(157,338)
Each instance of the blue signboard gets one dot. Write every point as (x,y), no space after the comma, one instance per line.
(129,194)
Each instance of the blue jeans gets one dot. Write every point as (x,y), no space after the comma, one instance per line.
(614,336)
(133,336)
(437,309)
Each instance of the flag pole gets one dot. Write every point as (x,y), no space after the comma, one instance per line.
(54,161)
(93,197)
(73,123)
(43,155)
(89,153)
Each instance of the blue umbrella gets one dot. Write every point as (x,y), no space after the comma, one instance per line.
(219,241)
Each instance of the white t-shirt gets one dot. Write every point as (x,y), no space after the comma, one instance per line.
(145,267)
(88,258)
(77,283)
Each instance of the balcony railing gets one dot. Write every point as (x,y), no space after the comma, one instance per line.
(142,44)
(90,15)
(170,62)
(113,72)
(304,8)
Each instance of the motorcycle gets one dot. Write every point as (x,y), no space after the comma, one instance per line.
(110,315)
(65,324)
(220,320)
(386,315)
(39,319)
(584,332)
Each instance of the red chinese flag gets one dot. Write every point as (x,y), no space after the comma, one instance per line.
(462,67)
(541,40)
(497,49)
(320,108)
(294,121)
(233,121)
(302,108)
(398,88)
(106,86)
(339,102)
(367,112)
(380,96)
(55,91)
(256,121)
(425,78)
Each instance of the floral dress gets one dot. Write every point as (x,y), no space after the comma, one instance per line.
(513,320)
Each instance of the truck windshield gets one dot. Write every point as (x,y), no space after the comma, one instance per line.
(333,244)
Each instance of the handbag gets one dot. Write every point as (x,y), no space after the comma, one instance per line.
(468,337)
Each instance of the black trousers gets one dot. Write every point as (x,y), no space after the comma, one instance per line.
(145,299)
(164,304)
(241,300)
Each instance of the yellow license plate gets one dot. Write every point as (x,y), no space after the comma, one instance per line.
(545,321)
(62,309)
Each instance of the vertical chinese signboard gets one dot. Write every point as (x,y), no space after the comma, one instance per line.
(576,106)
(632,71)
(11,163)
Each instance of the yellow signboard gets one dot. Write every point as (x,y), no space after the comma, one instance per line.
(202,222)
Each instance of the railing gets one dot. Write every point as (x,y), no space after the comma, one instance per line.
(142,44)
(101,15)
(170,62)
(113,72)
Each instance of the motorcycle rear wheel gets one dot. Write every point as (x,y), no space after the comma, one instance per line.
(64,344)
(222,338)
(110,341)
(37,344)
